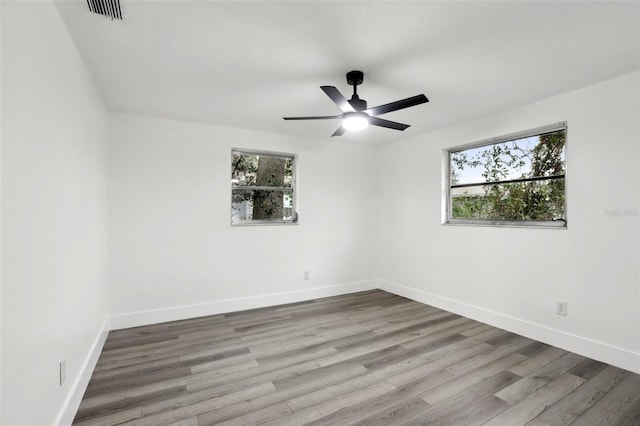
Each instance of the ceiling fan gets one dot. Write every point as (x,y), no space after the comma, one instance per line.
(355,114)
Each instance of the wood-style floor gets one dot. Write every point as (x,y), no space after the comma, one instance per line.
(366,358)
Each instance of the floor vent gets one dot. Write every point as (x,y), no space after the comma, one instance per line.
(110,8)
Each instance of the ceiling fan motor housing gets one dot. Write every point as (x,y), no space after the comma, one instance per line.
(357,103)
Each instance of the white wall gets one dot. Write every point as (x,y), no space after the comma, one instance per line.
(53,214)
(170,239)
(512,277)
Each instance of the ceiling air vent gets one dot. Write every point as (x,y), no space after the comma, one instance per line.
(110,8)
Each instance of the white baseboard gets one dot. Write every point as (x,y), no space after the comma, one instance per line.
(79,386)
(156,316)
(600,351)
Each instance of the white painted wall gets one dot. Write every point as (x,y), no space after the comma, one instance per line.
(512,277)
(53,214)
(170,239)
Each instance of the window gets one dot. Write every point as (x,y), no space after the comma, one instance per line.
(512,180)
(262,188)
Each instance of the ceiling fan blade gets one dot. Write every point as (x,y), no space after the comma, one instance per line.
(337,97)
(388,124)
(401,104)
(339,132)
(320,117)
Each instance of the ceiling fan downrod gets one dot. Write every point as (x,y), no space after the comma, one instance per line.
(355,78)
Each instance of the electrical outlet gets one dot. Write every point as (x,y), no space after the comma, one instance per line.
(561,307)
(63,371)
(305,275)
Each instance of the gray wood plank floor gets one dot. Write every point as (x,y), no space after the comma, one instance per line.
(369,358)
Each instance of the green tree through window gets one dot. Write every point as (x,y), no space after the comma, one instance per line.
(516,180)
(262,187)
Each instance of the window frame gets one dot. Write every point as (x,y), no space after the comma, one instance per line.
(447,198)
(294,189)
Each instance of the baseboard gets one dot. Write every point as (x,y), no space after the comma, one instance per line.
(74,397)
(156,316)
(600,351)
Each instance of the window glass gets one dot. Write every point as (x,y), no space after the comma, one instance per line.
(262,188)
(518,180)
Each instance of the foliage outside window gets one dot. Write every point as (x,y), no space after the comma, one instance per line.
(513,180)
(262,188)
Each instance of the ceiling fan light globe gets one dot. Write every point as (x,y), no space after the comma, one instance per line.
(355,122)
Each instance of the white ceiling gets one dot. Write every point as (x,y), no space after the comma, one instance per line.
(247,64)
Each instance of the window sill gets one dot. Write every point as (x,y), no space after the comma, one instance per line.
(264,223)
(559,224)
